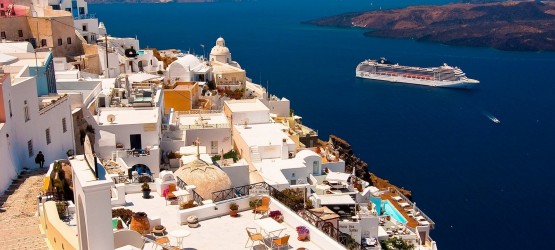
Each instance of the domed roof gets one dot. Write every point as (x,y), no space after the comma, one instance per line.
(220,49)
(220,41)
(206,177)
(189,61)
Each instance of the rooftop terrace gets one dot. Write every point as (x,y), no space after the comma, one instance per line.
(212,233)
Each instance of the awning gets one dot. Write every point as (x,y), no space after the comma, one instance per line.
(336,176)
(344,199)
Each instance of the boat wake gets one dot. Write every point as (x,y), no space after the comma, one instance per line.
(492,118)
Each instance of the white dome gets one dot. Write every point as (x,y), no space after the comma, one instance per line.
(189,61)
(220,51)
(220,42)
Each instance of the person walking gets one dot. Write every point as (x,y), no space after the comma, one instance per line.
(40,159)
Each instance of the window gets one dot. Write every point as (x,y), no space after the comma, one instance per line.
(43,42)
(69,40)
(64,125)
(93,38)
(10,107)
(26,111)
(20,33)
(68,9)
(81,11)
(30,147)
(48,141)
(3,34)
(84,27)
(316,168)
(1,5)
(59,41)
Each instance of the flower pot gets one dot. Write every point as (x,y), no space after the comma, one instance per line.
(146,194)
(140,223)
(233,213)
(278,218)
(303,236)
(159,232)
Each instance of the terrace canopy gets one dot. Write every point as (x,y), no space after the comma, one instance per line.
(344,199)
(336,176)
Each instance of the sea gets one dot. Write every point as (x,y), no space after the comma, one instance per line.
(485,185)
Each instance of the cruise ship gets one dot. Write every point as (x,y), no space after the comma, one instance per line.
(442,76)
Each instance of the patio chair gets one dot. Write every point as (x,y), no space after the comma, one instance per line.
(254,236)
(163,241)
(170,196)
(280,242)
(264,207)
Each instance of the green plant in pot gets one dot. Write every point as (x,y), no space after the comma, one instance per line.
(233,209)
(146,190)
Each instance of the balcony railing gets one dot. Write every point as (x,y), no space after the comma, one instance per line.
(181,184)
(85,16)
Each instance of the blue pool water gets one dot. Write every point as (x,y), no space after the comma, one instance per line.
(392,211)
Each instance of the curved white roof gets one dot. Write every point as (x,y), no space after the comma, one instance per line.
(305,153)
(7,59)
(188,61)
(185,64)
(219,51)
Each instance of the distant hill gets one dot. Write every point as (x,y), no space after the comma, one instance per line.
(523,26)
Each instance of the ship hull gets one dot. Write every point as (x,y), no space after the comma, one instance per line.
(460,84)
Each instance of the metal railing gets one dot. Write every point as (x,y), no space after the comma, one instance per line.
(330,229)
(181,184)
(234,192)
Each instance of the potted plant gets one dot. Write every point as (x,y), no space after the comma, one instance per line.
(276,215)
(303,233)
(233,208)
(146,190)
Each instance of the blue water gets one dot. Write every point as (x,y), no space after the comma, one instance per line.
(485,185)
(392,211)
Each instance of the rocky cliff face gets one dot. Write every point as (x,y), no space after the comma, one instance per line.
(524,26)
(361,168)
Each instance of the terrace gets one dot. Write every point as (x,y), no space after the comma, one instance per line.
(229,231)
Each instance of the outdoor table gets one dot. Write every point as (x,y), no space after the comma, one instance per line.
(179,234)
(270,226)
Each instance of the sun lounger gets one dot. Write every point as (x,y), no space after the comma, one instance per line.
(404,204)
(397,198)
(420,218)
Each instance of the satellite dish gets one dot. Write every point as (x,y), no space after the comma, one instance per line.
(111,118)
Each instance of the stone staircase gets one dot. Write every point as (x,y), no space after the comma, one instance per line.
(18,213)
(255,155)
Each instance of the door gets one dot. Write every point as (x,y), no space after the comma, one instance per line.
(135,141)
(214,147)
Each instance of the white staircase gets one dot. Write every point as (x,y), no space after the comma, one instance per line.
(255,155)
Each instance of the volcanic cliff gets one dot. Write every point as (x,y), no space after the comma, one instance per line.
(523,26)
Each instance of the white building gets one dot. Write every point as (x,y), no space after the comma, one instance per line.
(84,22)
(37,118)
(212,129)
(189,68)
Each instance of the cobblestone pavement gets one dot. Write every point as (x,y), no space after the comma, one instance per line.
(18,214)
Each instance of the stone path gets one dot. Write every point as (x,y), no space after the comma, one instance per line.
(18,214)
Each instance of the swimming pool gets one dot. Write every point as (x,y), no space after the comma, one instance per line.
(392,211)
